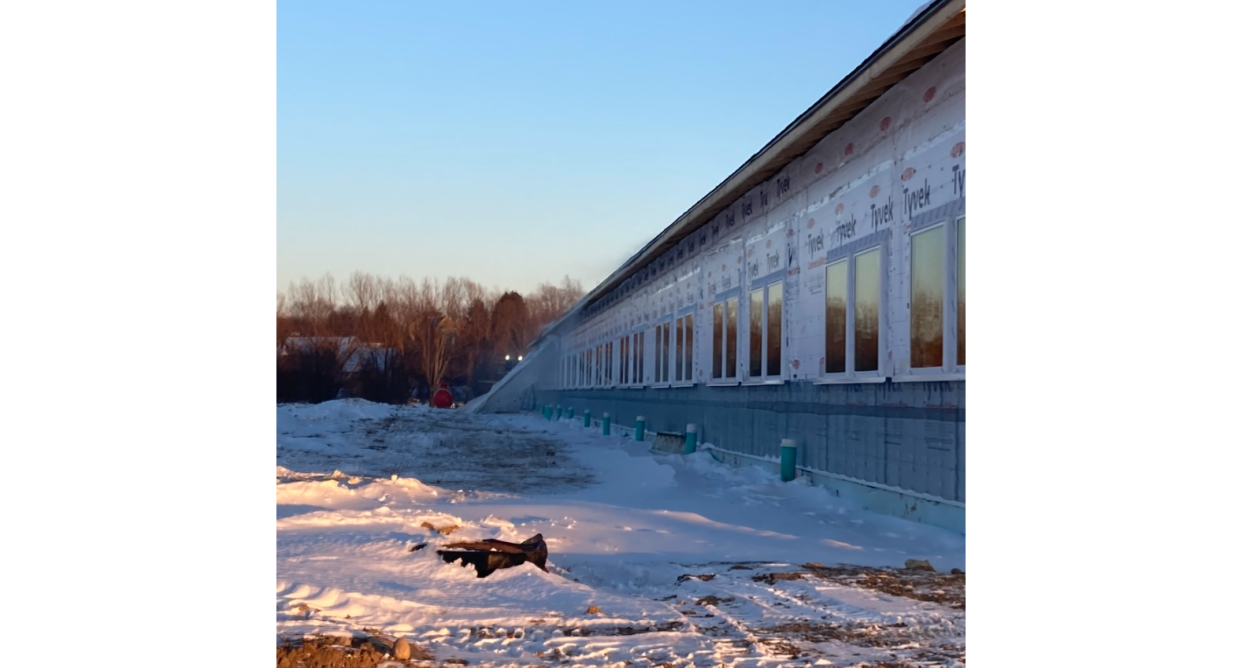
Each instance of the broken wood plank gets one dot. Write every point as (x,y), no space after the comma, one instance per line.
(490,555)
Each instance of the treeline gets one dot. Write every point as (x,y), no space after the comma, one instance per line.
(389,340)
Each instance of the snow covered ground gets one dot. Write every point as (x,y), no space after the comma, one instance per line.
(687,561)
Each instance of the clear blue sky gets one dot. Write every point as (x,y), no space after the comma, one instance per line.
(517,142)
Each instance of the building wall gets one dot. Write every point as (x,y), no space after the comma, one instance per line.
(893,173)
(908,436)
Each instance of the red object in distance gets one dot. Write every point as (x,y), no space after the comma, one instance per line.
(442,398)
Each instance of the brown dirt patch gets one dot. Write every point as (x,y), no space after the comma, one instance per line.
(947,589)
(779,639)
(771,578)
(341,652)
(864,636)
(444,530)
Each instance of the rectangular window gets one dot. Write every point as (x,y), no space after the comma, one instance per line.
(717,337)
(681,346)
(755,366)
(635,378)
(938,298)
(608,363)
(656,337)
(853,303)
(642,359)
(590,365)
(927,298)
(661,355)
(730,347)
(599,365)
(625,360)
(776,298)
(666,338)
(765,331)
(835,316)
(867,311)
(961,292)
(687,354)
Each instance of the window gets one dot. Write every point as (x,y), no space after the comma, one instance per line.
(927,298)
(756,333)
(683,358)
(961,291)
(640,368)
(624,345)
(681,346)
(765,331)
(731,338)
(635,378)
(659,354)
(867,311)
(608,364)
(717,333)
(852,311)
(724,339)
(664,351)
(687,357)
(668,348)
(938,297)
(835,316)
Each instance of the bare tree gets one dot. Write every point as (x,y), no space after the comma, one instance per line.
(432,327)
(362,291)
(408,329)
(284,324)
(312,304)
(550,302)
(317,358)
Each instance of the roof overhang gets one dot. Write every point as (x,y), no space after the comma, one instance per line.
(937,27)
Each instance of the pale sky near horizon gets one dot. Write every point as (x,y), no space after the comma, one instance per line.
(517,143)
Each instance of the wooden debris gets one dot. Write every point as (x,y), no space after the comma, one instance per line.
(488,556)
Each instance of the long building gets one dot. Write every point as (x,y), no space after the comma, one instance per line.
(818,294)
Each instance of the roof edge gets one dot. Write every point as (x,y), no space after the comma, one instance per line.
(920,26)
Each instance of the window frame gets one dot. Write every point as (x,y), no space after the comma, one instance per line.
(657,330)
(949,217)
(848,253)
(723,298)
(680,316)
(765,283)
(639,342)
